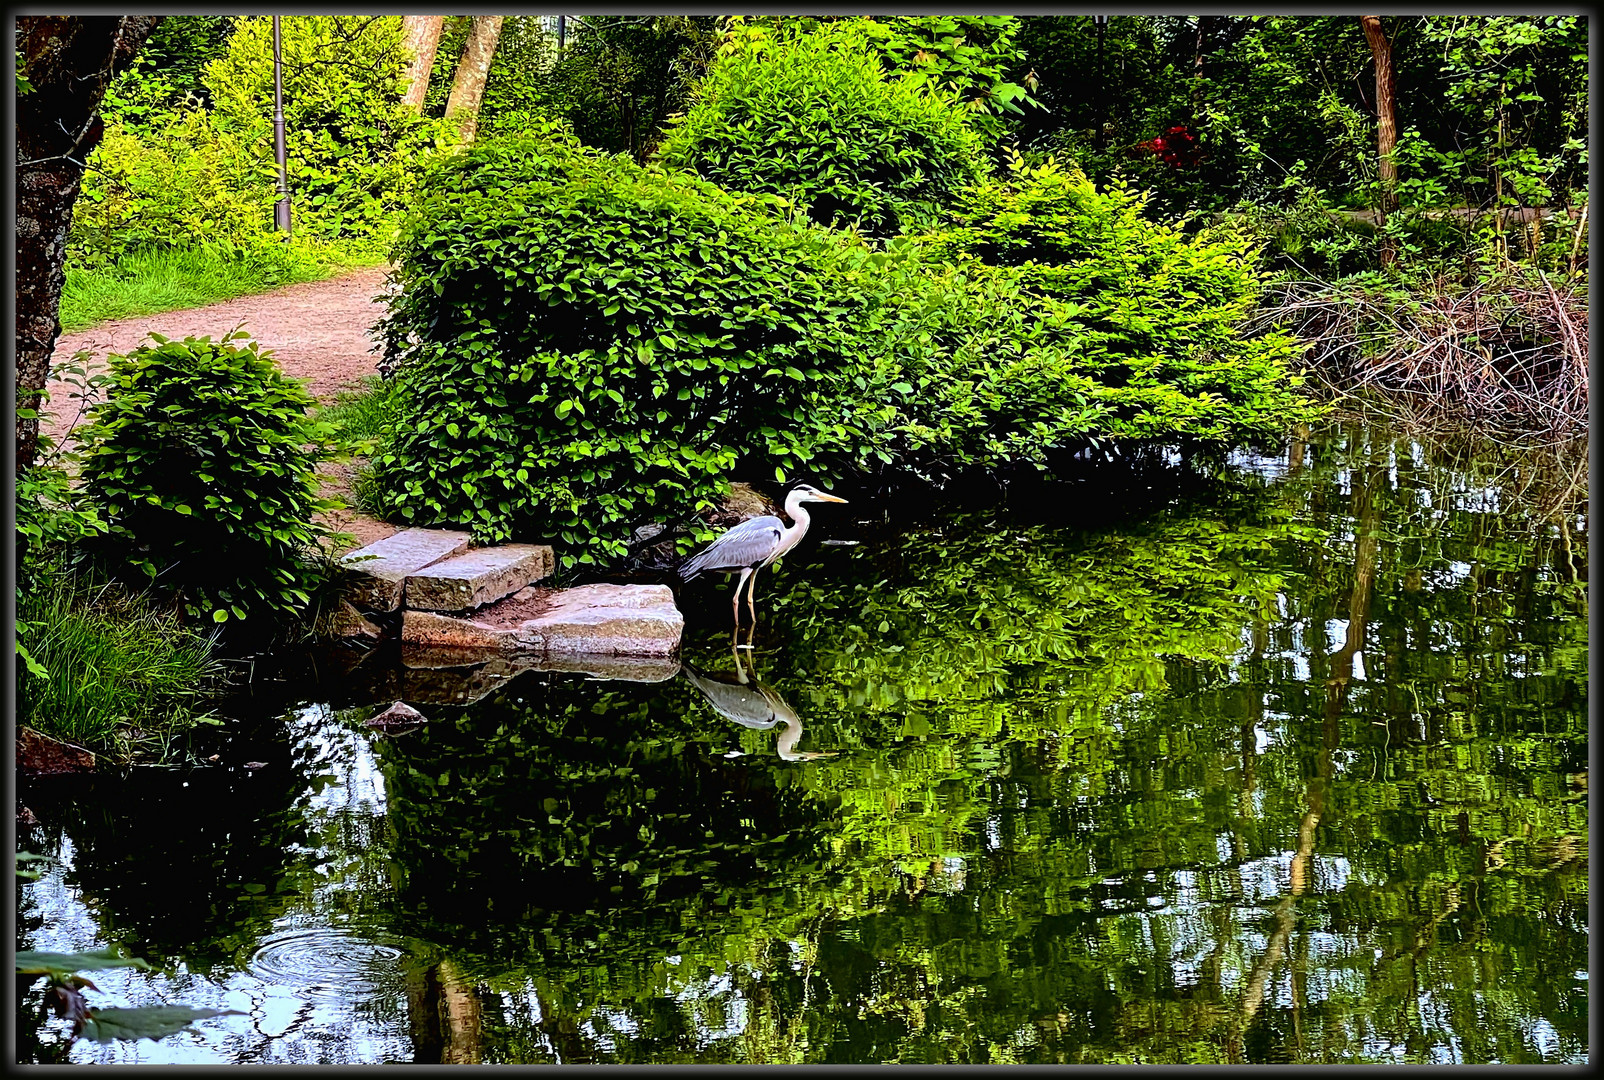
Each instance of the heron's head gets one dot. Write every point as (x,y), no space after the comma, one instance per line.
(809,493)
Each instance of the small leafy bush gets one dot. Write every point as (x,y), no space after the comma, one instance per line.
(815,119)
(587,345)
(202,461)
(1162,312)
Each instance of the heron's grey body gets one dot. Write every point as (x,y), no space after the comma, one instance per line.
(754,543)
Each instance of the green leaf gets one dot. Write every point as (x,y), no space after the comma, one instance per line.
(154,1022)
(59,965)
(36,669)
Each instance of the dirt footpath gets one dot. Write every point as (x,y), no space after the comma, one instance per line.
(318,331)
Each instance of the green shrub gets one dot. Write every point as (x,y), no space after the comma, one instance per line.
(1163,312)
(166,74)
(967,57)
(203,463)
(588,345)
(181,182)
(815,119)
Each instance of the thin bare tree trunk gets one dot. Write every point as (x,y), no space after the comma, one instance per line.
(468,89)
(70,60)
(421,39)
(1386,125)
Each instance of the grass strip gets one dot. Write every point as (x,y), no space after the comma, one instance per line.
(152,281)
(122,676)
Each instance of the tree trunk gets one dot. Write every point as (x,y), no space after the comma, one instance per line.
(70,60)
(468,89)
(1386,126)
(421,41)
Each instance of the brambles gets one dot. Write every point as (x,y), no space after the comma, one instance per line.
(1505,354)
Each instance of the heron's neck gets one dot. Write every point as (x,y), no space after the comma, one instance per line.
(800,522)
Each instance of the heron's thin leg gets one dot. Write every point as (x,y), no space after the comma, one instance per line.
(745,573)
(750,590)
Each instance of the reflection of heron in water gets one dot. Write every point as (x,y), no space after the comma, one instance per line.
(736,696)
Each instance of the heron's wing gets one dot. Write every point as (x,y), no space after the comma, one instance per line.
(746,705)
(751,542)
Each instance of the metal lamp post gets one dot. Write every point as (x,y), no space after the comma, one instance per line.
(1102,83)
(281,209)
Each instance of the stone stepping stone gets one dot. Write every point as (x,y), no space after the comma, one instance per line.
(379,571)
(478,577)
(603,620)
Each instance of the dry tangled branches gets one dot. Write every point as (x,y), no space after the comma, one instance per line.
(1506,356)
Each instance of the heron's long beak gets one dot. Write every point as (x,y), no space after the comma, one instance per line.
(822,497)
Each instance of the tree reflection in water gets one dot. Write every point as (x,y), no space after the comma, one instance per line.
(1290,766)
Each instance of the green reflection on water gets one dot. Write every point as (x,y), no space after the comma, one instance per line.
(1293,769)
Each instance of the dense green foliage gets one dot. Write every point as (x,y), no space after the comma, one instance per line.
(1163,311)
(1491,109)
(166,76)
(814,118)
(197,167)
(203,463)
(969,57)
(588,346)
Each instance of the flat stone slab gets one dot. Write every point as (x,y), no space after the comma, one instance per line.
(590,620)
(478,577)
(379,571)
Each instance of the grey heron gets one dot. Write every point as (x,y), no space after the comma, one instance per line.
(752,704)
(755,543)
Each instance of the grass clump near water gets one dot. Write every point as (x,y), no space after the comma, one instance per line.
(153,280)
(122,678)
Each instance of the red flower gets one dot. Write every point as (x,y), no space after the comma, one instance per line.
(1177,147)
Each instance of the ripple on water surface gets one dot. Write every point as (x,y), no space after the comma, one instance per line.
(328,961)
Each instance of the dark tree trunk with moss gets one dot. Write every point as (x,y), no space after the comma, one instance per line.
(69,60)
(1386,127)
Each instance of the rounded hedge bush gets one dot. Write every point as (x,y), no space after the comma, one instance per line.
(586,345)
(202,461)
(816,119)
(1164,314)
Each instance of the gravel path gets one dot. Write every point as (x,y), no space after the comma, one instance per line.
(317,331)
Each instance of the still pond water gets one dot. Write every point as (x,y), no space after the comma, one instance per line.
(1284,761)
